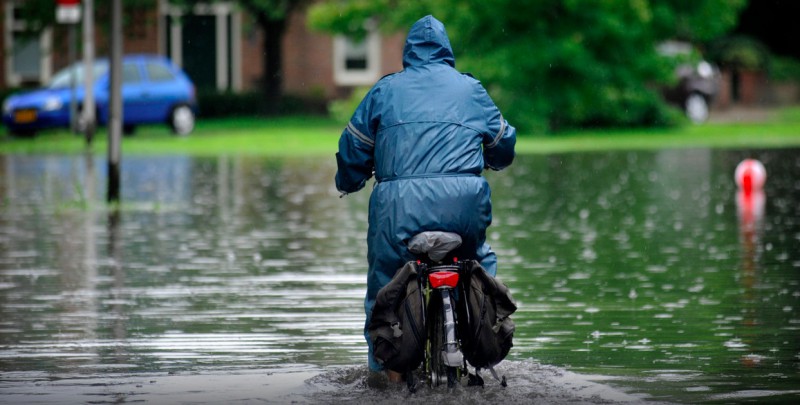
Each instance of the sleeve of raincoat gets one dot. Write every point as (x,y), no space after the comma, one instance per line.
(355,159)
(499,138)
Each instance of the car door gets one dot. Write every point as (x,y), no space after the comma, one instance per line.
(135,94)
(164,90)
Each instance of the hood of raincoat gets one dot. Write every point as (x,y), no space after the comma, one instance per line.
(427,42)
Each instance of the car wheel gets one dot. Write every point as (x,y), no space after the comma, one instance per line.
(697,109)
(128,129)
(181,120)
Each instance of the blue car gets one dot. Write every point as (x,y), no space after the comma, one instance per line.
(153,91)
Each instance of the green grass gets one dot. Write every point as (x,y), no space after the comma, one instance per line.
(268,136)
(311,136)
(781,131)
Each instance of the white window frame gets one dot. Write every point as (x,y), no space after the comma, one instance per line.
(13,79)
(357,77)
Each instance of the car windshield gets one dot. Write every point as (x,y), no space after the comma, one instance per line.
(682,52)
(63,79)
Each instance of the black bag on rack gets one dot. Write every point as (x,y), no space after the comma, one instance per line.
(397,324)
(484,311)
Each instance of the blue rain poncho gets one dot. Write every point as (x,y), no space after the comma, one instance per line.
(426,134)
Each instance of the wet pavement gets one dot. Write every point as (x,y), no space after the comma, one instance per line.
(527,383)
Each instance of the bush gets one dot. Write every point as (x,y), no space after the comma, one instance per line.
(739,52)
(4,93)
(226,104)
(342,110)
(783,69)
(294,105)
(229,104)
(626,109)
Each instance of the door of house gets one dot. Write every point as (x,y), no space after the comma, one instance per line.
(199,50)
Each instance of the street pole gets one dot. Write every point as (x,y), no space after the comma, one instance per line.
(69,12)
(115,116)
(88,114)
(73,104)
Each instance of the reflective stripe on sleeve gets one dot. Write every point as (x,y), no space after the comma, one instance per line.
(499,134)
(359,135)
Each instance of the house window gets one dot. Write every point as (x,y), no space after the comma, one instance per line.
(25,55)
(356,62)
(26,62)
(355,55)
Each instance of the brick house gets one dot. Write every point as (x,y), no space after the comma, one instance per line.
(218,45)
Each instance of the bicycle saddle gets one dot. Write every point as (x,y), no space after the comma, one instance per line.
(436,244)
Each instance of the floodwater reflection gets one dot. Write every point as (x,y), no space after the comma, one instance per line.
(638,268)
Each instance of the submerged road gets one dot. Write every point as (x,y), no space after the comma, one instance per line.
(528,382)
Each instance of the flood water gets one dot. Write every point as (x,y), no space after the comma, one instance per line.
(639,276)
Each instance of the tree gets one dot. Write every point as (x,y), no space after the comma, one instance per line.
(271,16)
(554,64)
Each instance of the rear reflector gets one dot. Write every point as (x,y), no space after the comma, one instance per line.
(443,278)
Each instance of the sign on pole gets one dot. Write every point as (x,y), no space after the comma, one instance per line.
(68,11)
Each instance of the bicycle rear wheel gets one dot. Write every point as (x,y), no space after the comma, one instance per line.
(438,372)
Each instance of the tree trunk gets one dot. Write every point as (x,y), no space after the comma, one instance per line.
(272,81)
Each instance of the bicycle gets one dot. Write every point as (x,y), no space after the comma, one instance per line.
(443,361)
(436,313)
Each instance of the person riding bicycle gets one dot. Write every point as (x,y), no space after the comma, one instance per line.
(426,133)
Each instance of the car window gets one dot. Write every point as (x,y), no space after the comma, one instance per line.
(63,77)
(130,73)
(158,72)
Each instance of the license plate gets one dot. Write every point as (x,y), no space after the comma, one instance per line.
(24,116)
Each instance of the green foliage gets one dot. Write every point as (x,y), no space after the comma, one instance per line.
(214,104)
(783,69)
(342,110)
(739,52)
(4,93)
(694,21)
(556,64)
(228,104)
